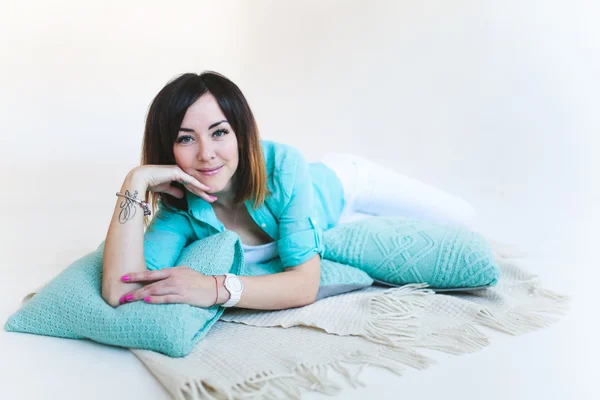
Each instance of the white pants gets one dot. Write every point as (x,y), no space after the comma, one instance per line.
(371,189)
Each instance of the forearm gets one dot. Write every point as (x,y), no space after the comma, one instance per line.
(124,245)
(280,291)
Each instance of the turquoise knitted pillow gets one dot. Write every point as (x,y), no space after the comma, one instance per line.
(402,251)
(71,306)
(338,278)
(394,250)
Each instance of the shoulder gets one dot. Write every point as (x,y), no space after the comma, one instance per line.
(280,155)
(285,165)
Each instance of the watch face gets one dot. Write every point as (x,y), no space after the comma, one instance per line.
(234,283)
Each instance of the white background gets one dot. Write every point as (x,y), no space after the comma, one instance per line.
(493,101)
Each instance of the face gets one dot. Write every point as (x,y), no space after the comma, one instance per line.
(207,142)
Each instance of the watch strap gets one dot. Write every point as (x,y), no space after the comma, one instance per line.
(235,296)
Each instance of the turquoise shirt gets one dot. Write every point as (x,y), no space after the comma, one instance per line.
(306,199)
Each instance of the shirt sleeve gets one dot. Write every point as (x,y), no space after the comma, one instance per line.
(166,236)
(300,237)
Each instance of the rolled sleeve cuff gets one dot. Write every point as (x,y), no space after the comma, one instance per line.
(299,247)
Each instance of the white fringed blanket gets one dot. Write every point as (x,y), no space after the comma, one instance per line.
(279,354)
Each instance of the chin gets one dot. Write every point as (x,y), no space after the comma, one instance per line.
(216,188)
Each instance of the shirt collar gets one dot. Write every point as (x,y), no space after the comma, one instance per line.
(202,210)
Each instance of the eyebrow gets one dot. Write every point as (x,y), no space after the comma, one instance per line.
(182,129)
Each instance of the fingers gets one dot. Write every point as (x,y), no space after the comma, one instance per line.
(187,179)
(156,293)
(146,276)
(204,195)
(197,187)
(168,299)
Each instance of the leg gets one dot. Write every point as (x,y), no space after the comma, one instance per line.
(345,167)
(375,190)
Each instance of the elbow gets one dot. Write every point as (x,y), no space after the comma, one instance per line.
(309,301)
(109,295)
(110,298)
(309,296)
(113,289)
(113,304)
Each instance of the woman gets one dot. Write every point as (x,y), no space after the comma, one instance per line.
(203,158)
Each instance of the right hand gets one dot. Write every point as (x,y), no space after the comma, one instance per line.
(158,179)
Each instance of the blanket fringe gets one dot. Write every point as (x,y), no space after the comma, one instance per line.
(532,297)
(552,301)
(457,340)
(268,385)
(515,322)
(392,318)
(393,322)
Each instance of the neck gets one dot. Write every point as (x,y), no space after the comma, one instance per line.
(226,203)
(225,199)
(226,196)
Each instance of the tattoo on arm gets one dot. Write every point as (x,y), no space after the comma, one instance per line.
(128,207)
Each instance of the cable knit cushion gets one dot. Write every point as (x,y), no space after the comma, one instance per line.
(71,306)
(400,251)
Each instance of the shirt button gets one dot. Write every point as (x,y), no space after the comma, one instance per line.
(263,225)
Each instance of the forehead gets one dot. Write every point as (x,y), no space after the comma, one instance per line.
(203,111)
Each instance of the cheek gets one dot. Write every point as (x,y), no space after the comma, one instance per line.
(233,152)
(182,157)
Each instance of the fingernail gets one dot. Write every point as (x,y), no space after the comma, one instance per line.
(125,277)
(147,299)
(129,297)
(122,300)
(213,197)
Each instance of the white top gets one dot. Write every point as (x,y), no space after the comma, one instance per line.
(261,253)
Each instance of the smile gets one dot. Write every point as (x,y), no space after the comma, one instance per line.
(211,172)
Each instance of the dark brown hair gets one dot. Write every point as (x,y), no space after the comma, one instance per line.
(164,120)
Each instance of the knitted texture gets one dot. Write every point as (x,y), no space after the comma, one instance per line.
(402,251)
(71,306)
(394,250)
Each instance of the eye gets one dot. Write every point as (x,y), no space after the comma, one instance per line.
(182,139)
(223,132)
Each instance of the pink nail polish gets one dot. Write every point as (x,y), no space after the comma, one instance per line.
(122,300)
(129,297)
(147,299)
(125,277)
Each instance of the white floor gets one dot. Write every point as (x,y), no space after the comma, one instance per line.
(41,238)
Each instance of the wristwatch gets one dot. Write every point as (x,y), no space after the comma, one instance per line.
(235,287)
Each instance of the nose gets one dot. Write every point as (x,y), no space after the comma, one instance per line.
(206,152)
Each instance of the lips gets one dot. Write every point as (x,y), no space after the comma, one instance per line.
(209,169)
(210,172)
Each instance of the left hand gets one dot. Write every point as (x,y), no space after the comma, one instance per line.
(172,285)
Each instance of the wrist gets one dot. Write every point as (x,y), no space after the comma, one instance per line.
(223,293)
(136,179)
